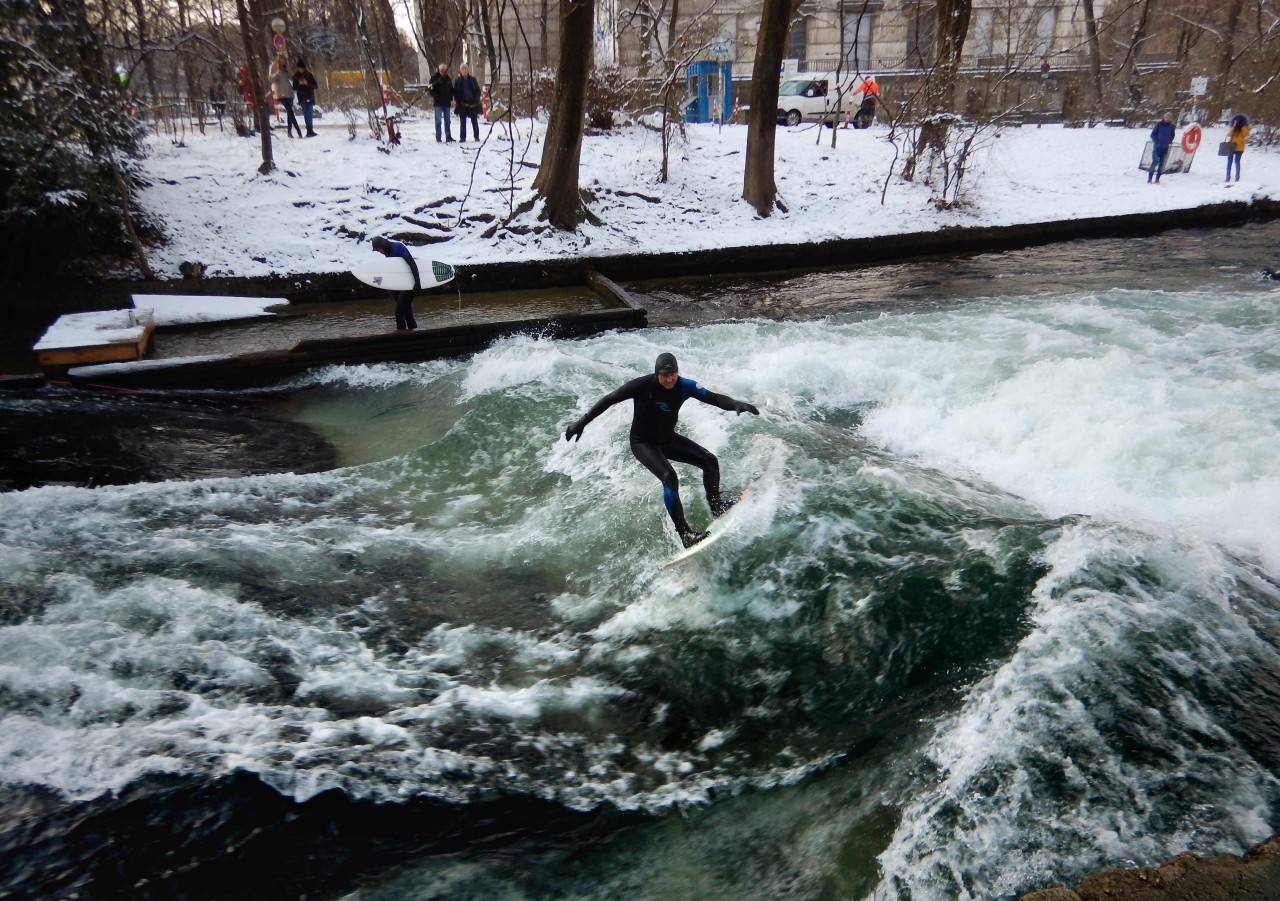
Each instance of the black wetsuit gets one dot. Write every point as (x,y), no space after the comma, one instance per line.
(404,299)
(655,412)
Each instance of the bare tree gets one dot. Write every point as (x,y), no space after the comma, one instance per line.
(438,28)
(1226,36)
(1126,71)
(940,83)
(557,179)
(759,187)
(248,36)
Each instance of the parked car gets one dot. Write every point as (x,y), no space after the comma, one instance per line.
(813,98)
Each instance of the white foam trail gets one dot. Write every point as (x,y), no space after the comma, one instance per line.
(1039,771)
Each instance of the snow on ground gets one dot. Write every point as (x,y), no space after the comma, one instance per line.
(330,194)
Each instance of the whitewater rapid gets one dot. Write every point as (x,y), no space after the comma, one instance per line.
(1006,568)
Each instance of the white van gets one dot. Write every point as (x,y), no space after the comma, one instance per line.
(816,97)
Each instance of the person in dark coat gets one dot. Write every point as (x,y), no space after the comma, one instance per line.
(466,99)
(304,90)
(404,299)
(1161,139)
(655,410)
(441,88)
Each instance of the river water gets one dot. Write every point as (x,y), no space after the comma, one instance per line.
(1002,609)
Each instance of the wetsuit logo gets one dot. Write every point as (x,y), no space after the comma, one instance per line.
(661,405)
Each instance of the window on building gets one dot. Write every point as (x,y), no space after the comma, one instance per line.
(1045,27)
(798,40)
(857,40)
(920,32)
(982,41)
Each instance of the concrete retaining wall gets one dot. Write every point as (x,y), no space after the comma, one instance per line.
(526,274)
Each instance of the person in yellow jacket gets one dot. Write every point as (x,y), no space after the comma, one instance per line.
(1237,134)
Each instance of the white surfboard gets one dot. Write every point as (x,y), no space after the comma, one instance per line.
(394,274)
(718,529)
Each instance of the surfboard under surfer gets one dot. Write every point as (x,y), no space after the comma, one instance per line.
(656,401)
(404,299)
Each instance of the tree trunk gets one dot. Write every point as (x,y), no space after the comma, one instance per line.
(557,178)
(1226,59)
(758,186)
(940,81)
(148,65)
(260,114)
(372,77)
(440,23)
(493,62)
(190,66)
(1127,71)
(389,42)
(1095,56)
(544,51)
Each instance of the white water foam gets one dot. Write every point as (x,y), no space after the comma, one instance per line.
(1111,406)
(1038,774)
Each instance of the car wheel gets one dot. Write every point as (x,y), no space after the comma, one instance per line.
(793,117)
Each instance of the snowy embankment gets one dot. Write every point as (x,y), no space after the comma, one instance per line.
(329,192)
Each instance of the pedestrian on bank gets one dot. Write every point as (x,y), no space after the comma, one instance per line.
(304,88)
(441,88)
(1237,134)
(466,99)
(218,100)
(404,299)
(1161,140)
(282,83)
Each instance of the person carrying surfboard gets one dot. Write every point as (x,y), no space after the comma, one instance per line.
(655,410)
(404,299)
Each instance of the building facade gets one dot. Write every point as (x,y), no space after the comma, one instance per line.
(1028,58)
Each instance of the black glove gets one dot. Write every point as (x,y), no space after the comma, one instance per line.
(741,406)
(574,431)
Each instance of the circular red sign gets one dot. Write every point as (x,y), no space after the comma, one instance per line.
(1191,139)
(278,41)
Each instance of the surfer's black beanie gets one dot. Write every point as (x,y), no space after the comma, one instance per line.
(380,243)
(666,363)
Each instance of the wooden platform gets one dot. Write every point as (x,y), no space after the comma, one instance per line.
(107,336)
(264,367)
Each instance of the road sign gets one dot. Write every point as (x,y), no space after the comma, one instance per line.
(1199,86)
(278,42)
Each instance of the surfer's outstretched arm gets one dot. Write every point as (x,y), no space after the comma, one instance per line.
(626,392)
(725,402)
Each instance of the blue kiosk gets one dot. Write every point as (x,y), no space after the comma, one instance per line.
(709,87)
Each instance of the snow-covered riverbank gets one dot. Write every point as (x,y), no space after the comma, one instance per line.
(329,192)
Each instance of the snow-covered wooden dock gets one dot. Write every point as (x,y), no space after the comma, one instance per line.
(104,336)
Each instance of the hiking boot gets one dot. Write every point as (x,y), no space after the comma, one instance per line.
(689,539)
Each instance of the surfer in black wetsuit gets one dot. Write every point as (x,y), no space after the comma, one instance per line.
(656,401)
(404,299)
